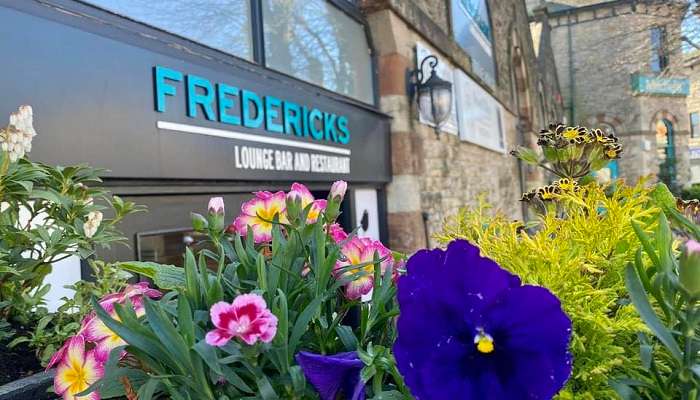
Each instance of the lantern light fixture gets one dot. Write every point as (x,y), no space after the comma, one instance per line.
(433,95)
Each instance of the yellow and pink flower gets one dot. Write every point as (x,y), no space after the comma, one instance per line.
(78,370)
(247,318)
(301,192)
(356,252)
(259,213)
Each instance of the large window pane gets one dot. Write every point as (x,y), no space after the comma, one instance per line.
(314,41)
(221,24)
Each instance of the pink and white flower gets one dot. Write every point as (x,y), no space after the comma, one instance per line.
(77,371)
(357,251)
(338,190)
(258,214)
(299,191)
(247,318)
(336,232)
(216,205)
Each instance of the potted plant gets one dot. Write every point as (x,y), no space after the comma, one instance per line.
(47,214)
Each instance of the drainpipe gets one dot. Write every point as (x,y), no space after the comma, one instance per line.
(572,88)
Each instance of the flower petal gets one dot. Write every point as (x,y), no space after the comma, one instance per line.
(218,337)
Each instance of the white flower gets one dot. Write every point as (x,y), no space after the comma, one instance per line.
(94,219)
(17,138)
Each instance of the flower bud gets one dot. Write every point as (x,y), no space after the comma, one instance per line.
(689,268)
(338,190)
(216,205)
(215,218)
(199,223)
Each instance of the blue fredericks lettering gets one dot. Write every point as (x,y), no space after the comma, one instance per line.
(344,136)
(248,98)
(206,99)
(305,120)
(224,94)
(292,119)
(160,74)
(230,105)
(272,106)
(316,115)
(329,127)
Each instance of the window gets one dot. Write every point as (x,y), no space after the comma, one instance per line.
(471,29)
(221,24)
(659,55)
(316,42)
(309,39)
(694,124)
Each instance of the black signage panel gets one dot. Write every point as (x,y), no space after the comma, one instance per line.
(143,113)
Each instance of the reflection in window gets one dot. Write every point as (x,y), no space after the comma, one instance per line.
(314,41)
(168,247)
(659,56)
(220,24)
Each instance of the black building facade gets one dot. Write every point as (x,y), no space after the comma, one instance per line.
(182,100)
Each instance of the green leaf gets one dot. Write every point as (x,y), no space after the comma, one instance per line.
(529,156)
(646,243)
(149,388)
(346,335)
(165,276)
(265,389)
(208,355)
(641,303)
(302,323)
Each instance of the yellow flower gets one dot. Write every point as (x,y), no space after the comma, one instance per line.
(78,370)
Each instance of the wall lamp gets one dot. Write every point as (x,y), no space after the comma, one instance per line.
(433,95)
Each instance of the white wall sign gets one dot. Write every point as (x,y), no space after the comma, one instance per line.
(444,72)
(366,213)
(480,115)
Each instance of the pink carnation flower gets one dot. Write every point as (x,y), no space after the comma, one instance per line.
(247,318)
(360,251)
(258,214)
(337,233)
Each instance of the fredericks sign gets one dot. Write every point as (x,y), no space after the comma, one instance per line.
(230,105)
(145,109)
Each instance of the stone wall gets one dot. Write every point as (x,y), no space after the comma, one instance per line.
(436,174)
(597,50)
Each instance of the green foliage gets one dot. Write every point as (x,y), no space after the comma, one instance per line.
(664,292)
(691,192)
(43,217)
(579,252)
(168,342)
(52,329)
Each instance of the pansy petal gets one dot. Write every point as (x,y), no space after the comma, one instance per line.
(332,374)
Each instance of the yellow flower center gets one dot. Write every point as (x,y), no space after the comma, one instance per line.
(77,376)
(483,342)
(570,133)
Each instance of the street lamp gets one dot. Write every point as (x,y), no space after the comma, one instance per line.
(434,95)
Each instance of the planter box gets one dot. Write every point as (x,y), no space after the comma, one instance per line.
(32,387)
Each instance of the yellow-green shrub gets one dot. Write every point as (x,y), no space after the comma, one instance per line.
(579,252)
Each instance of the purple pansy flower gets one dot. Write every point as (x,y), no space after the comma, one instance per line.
(334,374)
(469,330)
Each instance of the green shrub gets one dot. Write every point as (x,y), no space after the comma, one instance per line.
(581,258)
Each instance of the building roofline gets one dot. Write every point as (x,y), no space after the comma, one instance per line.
(598,6)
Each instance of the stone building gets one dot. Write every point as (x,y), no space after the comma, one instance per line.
(693,103)
(434,174)
(620,68)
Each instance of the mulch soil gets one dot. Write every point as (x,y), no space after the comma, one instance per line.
(17,362)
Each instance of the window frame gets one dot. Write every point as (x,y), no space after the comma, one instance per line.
(694,129)
(257,40)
